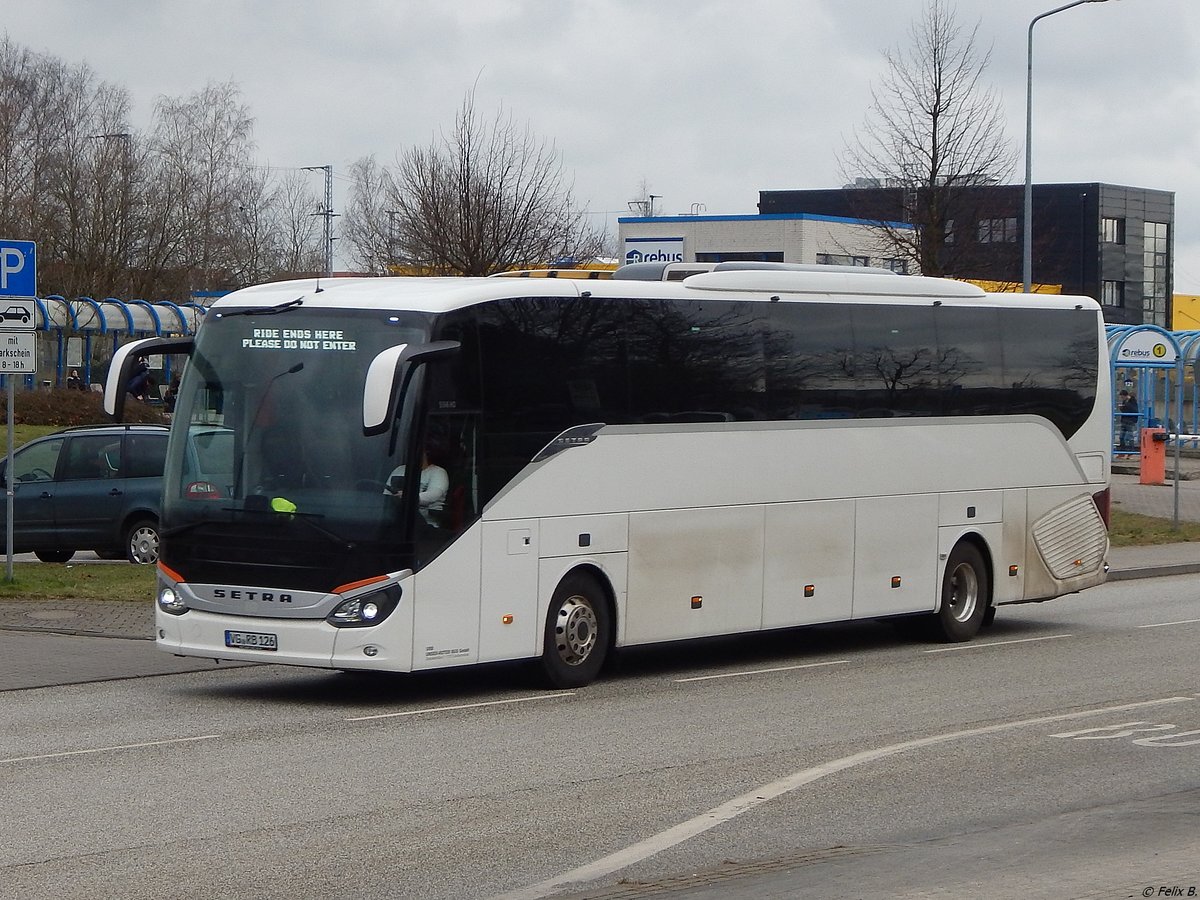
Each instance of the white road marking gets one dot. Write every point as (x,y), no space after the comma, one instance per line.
(203,737)
(433,709)
(1165,624)
(832,662)
(731,809)
(974,645)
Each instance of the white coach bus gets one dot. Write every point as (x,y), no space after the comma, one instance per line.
(622,462)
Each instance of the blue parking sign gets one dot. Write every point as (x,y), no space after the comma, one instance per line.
(18,268)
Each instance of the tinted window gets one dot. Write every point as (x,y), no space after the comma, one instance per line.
(213,451)
(548,363)
(92,456)
(896,360)
(1050,363)
(145,455)
(880,360)
(970,361)
(696,361)
(810,368)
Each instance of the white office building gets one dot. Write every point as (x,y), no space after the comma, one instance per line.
(789,237)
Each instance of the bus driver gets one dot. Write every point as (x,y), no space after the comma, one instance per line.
(434,485)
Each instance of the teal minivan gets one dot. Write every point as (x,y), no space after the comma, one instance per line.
(94,487)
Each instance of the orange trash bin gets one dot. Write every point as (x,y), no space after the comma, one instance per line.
(1154,456)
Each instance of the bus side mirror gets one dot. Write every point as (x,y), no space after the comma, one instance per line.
(122,365)
(382,390)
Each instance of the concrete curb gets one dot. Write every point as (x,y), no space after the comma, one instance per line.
(1153,571)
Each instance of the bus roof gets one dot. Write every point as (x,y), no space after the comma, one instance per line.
(436,295)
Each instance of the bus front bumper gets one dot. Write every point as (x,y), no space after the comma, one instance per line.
(297,642)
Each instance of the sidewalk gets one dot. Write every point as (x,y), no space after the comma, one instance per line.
(131,619)
(135,619)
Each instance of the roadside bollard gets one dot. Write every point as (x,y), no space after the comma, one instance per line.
(1154,456)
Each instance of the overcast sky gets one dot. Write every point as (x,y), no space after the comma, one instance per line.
(706,102)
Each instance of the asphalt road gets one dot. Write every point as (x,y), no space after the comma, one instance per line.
(1056,756)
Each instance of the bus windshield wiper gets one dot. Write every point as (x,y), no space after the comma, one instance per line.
(264,310)
(305,518)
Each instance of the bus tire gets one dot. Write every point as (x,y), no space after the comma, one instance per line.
(578,632)
(966,595)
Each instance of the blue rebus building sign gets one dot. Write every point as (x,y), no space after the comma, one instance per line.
(18,268)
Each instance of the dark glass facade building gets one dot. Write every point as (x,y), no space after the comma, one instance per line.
(1107,241)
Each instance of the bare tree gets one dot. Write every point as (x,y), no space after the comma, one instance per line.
(934,134)
(64,169)
(154,214)
(487,197)
(369,225)
(297,237)
(199,171)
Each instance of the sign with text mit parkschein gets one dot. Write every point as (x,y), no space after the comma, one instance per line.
(18,353)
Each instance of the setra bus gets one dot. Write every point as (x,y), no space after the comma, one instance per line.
(623,462)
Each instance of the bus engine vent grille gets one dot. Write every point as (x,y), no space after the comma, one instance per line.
(1072,539)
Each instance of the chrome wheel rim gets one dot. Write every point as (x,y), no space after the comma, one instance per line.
(575,631)
(143,546)
(964,592)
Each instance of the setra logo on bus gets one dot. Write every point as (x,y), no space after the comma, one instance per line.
(240,594)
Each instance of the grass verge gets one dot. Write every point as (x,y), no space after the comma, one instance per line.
(1128,529)
(90,581)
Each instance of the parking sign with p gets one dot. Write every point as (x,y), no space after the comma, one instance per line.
(18,268)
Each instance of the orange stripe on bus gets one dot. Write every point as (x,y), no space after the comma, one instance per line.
(342,588)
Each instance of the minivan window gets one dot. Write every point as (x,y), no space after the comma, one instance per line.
(37,462)
(92,456)
(145,455)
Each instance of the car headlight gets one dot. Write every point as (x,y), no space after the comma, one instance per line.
(170,601)
(369,609)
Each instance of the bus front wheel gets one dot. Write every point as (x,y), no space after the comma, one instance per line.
(578,632)
(966,595)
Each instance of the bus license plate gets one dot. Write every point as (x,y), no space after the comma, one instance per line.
(250,640)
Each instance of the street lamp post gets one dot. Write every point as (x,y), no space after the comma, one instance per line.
(1027,250)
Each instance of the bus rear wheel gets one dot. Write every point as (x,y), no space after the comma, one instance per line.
(578,632)
(966,596)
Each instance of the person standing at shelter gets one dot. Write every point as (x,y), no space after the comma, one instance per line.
(1127,408)
(140,381)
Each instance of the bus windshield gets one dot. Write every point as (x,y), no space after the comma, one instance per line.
(268,441)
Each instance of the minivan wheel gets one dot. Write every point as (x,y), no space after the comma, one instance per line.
(54,556)
(141,543)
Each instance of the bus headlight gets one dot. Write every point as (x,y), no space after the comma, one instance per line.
(169,601)
(369,609)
